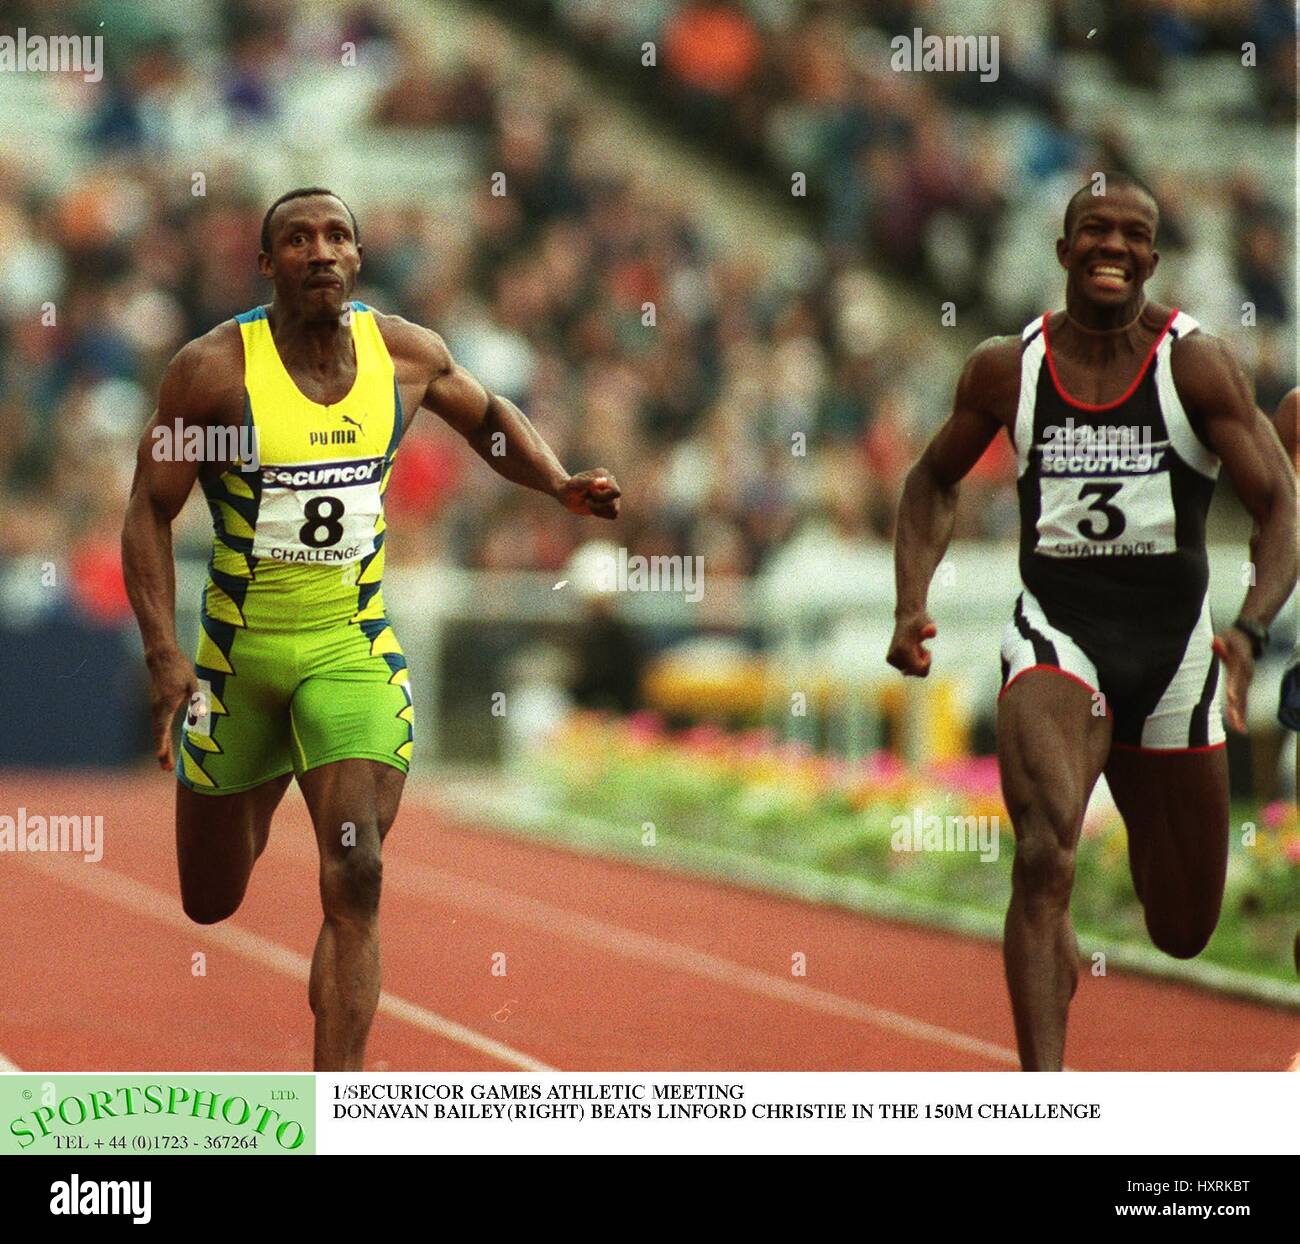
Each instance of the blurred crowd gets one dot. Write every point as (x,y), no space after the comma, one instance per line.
(756,399)
(915,170)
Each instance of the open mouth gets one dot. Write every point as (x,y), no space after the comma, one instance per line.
(1108,275)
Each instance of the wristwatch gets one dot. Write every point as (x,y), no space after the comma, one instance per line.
(1257,633)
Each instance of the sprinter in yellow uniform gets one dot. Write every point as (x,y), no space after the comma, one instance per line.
(297,665)
(297,670)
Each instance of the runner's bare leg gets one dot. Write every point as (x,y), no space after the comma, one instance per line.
(353,804)
(218,840)
(1175,807)
(1051,749)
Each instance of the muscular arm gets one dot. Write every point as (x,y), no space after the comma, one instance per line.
(495,428)
(1220,400)
(1285,421)
(1221,404)
(161,485)
(929,502)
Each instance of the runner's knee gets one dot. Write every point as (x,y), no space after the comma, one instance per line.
(209,909)
(1043,870)
(1181,936)
(1045,809)
(351,881)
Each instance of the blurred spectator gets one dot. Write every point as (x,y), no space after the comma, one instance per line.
(744,401)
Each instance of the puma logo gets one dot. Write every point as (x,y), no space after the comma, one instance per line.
(336,436)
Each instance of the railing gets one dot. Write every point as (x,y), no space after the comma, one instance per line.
(817,620)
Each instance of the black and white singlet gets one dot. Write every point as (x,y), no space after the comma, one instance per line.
(1113,500)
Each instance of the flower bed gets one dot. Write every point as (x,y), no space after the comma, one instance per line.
(782,802)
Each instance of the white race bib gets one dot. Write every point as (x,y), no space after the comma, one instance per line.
(1108,504)
(319,512)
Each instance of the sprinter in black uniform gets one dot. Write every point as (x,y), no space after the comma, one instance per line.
(1113,499)
(1120,412)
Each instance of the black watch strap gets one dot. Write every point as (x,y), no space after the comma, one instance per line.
(1257,633)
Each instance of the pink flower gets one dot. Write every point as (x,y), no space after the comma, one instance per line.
(883,767)
(974,775)
(753,743)
(1274,814)
(705,738)
(645,726)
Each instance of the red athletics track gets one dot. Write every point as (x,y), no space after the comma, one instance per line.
(608,966)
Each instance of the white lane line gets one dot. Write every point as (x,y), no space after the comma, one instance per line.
(145,900)
(6,1065)
(461,891)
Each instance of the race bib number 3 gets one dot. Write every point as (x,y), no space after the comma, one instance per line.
(1127,516)
(322,512)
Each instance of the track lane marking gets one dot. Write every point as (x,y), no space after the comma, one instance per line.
(124,891)
(466,892)
(471,894)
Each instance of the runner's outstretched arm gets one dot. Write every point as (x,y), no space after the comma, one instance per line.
(502,435)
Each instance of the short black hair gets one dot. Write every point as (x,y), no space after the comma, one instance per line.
(304,192)
(1114,181)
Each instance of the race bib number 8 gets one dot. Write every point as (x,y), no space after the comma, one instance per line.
(321,513)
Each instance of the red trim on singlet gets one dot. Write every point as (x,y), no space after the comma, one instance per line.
(1169,751)
(1055,669)
(1123,397)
